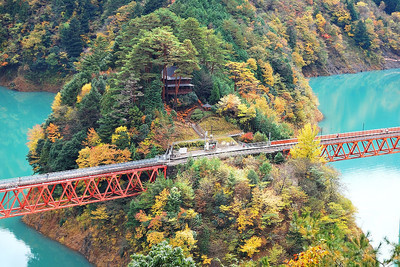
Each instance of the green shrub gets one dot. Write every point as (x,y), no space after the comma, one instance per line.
(259,137)
(197,115)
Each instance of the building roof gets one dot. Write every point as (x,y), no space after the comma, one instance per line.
(170,73)
(206,106)
(181,85)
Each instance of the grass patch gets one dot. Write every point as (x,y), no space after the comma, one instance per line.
(219,126)
(184,132)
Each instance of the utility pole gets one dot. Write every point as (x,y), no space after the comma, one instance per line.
(205,141)
(269,138)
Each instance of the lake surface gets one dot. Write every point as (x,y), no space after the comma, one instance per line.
(354,102)
(20,245)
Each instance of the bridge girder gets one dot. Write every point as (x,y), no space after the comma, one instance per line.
(78,191)
(344,150)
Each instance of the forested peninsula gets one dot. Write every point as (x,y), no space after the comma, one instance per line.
(133,77)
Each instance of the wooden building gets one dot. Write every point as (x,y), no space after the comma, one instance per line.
(175,85)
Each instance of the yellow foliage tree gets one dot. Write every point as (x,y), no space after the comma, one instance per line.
(311,257)
(266,206)
(206,260)
(244,216)
(53,133)
(161,201)
(102,154)
(56,103)
(251,245)
(263,106)
(243,77)
(252,64)
(245,114)
(279,104)
(99,214)
(229,104)
(155,237)
(34,39)
(308,147)
(184,239)
(321,22)
(84,91)
(120,134)
(268,74)
(298,59)
(34,135)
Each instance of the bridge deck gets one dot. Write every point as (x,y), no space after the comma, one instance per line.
(275,146)
(38,193)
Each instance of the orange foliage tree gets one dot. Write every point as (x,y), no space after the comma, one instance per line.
(311,257)
(53,132)
(102,155)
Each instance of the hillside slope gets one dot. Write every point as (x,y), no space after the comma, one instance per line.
(248,59)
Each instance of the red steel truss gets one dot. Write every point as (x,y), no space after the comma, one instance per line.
(26,195)
(371,146)
(77,191)
(343,146)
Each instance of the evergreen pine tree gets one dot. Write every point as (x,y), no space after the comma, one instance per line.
(215,94)
(152,97)
(71,38)
(89,109)
(361,35)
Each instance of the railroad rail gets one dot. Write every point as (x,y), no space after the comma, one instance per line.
(37,193)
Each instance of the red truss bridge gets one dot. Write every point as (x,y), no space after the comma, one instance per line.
(37,193)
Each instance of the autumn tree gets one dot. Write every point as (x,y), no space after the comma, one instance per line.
(121,138)
(311,257)
(308,147)
(34,135)
(55,107)
(84,91)
(102,154)
(53,132)
(229,105)
(243,77)
(251,246)
(93,138)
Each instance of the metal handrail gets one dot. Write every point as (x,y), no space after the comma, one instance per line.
(272,146)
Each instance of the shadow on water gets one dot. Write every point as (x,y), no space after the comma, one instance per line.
(20,245)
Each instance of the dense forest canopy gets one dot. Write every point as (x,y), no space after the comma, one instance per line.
(248,60)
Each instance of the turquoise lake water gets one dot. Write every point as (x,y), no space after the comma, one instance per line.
(368,100)
(20,245)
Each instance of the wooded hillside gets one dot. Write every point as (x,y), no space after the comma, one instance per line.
(248,60)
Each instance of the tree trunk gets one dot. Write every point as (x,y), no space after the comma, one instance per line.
(164,81)
(177,85)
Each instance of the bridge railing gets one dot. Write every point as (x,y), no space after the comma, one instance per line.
(359,133)
(342,135)
(55,176)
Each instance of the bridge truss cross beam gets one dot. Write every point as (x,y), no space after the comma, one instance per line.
(343,150)
(22,200)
